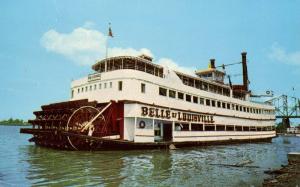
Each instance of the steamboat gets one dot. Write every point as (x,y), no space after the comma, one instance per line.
(129,102)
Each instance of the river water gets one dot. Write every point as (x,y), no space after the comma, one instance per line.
(24,164)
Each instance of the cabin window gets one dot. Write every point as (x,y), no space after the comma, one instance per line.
(209,128)
(95,87)
(162,91)
(247,109)
(91,87)
(86,88)
(72,94)
(207,102)
(241,108)
(143,88)
(181,126)
(219,104)
(188,98)
(172,94)
(228,105)
(245,128)
(180,95)
(120,85)
(236,107)
(99,86)
(78,91)
(196,127)
(223,105)
(244,109)
(110,84)
(201,101)
(213,103)
(195,99)
(229,128)
(105,85)
(220,127)
(82,89)
(205,86)
(238,128)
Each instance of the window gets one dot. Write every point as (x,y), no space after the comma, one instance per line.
(229,128)
(228,105)
(86,88)
(82,89)
(195,99)
(110,84)
(246,128)
(95,87)
(220,127)
(219,104)
(209,128)
(213,103)
(207,102)
(181,126)
(188,98)
(120,85)
(223,105)
(143,88)
(78,90)
(201,101)
(162,91)
(238,128)
(99,86)
(236,107)
(172,94)
(72,94)
(105,85)
(180,95)
(196,127)
(91,87)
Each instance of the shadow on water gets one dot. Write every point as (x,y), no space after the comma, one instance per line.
(27,164)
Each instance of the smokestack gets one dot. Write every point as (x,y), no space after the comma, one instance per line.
(245,71)
(212,63)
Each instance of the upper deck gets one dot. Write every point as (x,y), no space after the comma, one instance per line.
(144,63)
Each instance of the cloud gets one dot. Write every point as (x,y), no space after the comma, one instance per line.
(84,45)
(279,54)
(174,66)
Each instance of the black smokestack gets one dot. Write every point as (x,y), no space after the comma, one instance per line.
(212,63)
(245,71)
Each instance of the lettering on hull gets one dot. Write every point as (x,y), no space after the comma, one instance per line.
(175,115)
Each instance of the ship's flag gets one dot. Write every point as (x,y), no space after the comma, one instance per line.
(110,31)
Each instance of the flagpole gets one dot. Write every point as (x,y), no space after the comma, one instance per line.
(110,34)
(106,53)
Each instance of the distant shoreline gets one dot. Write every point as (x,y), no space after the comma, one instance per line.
(14,122)
(5,124)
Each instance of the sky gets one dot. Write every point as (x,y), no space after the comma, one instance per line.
(44,45)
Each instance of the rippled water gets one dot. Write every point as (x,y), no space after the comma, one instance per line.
(24,164)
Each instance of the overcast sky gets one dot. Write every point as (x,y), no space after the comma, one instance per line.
(46,44)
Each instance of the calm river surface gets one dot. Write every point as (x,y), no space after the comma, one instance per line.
(24,164)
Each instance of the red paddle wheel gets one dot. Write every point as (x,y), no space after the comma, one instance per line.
(77,124)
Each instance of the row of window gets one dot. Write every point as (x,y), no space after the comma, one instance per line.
(94,87)
(211,102)
(209,127)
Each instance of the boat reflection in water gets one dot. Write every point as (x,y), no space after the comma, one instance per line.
(193,166)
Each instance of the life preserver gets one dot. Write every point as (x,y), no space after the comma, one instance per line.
(142,124)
